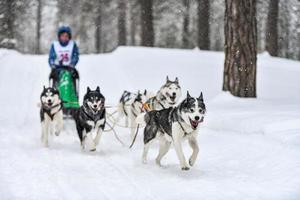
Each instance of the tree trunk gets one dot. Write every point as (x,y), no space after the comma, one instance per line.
(147,23)
(186,24)
(38,27)
(98,23)
(122,23)
(272,31)
(240,48)
(134,20)
(7,27)
(203,24)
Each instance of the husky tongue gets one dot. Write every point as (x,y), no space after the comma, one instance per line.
(194,123)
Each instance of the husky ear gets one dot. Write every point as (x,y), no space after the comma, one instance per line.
(200,97)
(98,89)
(139,92)
(176,80)
(88,90)
(168,80)
(188,95)
(145,92)
(44,88)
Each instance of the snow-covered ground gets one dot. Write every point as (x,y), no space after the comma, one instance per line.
(249,148)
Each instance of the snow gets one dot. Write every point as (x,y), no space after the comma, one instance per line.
(249,148)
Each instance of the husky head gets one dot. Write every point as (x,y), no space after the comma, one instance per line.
(193,110)
(139,100)
(50,97)
(93,100)
(171,90)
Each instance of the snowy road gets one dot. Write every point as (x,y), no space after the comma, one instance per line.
(240,157)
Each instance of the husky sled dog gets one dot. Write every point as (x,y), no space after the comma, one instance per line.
(51,113)
(90,118)
(130,106)
(174,125)
(166,97)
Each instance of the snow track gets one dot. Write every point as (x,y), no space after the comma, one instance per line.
(245,150)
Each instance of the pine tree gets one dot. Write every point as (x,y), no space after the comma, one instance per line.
(272,31)
(147,23)
(203,24)
(240,48)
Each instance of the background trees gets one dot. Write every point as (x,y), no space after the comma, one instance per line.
(101,25)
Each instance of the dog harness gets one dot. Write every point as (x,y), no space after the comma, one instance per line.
(48,110)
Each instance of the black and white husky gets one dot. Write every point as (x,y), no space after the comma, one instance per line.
(173,125)
(166,97)
(51,113)
(90,119)
(130,106)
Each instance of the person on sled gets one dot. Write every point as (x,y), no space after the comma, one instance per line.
(63,57)
(64,51)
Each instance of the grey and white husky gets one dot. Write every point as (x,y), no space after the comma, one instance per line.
(173,125)
(51,114)
(130,106)
(168,96)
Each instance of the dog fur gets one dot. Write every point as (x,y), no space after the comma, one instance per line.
(51,114)
(173,125)
(90,118)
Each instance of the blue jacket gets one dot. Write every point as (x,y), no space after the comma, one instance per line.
(53,56)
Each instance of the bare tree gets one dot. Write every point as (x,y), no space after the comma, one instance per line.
(240,48)
(122,23)
(272,31)
(186,24)
(147,23)
(38,26)
(7,27)
(98,24)
(135,12)
(203,24)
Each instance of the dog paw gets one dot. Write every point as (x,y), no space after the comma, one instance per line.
(185,168)
(158,162)
(191,162)
(93,149)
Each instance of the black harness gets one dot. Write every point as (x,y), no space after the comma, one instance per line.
(47,109)
(93,117)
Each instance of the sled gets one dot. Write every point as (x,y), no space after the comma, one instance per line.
(66,81)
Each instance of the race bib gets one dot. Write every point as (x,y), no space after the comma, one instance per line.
(63,54)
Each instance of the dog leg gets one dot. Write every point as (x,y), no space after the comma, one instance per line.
(194,145)
(59,123)
(89,141)
(82,137)
(45,130)
(98,136)
(145,152)
(179,152)
(164,147)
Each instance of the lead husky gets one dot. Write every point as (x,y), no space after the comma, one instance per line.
(130,106)
(166,97)
(89,118)
(174,125)
(51,113)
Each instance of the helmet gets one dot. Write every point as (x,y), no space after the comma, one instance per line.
(64,29)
